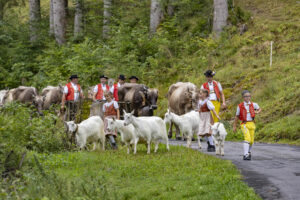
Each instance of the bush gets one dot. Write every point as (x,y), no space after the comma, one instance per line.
(22,130)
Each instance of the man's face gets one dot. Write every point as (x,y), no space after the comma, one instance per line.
(121,81)
(103,80)
(133,80)
(209,78)
(247,97)
(75,80)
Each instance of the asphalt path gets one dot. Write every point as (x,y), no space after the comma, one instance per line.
(273,172)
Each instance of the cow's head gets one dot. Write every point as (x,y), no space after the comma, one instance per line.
(128,117)
(152,95)
(38,102)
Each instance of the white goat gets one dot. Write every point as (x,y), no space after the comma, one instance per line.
(89,130)
(148,128)
(187,123)
(2,95)
(128,133)
(219,134)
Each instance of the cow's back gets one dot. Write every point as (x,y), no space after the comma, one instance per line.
(24,94)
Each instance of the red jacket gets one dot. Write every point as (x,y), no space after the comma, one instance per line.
(216,88)
(99,95)
(116,92)
(70,95)
(243,111)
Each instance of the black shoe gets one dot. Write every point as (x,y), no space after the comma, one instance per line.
(247,157)
(193,139)
(211,148)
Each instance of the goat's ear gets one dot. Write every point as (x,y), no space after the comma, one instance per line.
(124,111)
(114,119)
(132,112)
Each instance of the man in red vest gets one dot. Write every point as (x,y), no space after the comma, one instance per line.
(215,92)
(121,81)
(100,88)
(71,96)
(246,112)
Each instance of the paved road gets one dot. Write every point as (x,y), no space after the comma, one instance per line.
(274,171)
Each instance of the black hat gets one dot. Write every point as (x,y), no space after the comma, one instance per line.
(73,76)
(122,77)
(103,76)
(133,77)
(209,73)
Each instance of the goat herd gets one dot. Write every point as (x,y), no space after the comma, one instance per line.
(182,98)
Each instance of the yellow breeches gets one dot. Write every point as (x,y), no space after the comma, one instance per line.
(217,105)
(248,130)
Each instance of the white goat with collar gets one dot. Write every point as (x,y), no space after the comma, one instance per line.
(89,130)
(187,123)
(128,133)
(219,134)
(149,129)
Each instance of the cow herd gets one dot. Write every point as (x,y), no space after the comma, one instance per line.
(182,104)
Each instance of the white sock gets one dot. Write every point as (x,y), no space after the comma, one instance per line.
(210,140)
(250,147)
(246,148)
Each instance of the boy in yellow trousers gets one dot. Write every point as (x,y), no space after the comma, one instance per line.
(246,112)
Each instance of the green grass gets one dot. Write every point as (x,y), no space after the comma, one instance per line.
(180,173)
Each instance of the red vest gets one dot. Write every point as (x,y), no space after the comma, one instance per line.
(116,92)
(110,110)
(204,108)
(243,111)
(99,95)
(216,88)
(70,95)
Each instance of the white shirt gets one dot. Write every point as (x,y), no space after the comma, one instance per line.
(210,105)
(76,93)
(104,89)
(249,118)
(107,104)
(212,94)
(118,84)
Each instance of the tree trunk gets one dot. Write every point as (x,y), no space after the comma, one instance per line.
(156,15)
(51,19)
(220,16)
(34,19)
(78,19)
(59,21)
(106,17)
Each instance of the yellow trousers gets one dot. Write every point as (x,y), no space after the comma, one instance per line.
(248,130)
(217,105)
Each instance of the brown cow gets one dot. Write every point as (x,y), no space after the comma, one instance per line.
(26,95)
(142,99)
(182,98)
(52,95)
